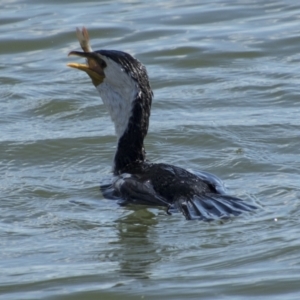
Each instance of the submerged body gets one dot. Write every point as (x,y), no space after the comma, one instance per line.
(198,195)
(123,84)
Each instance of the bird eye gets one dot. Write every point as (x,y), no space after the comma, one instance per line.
(101,63)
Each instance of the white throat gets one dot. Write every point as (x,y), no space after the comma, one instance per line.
(118,91)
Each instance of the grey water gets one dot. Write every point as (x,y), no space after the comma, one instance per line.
(225,76)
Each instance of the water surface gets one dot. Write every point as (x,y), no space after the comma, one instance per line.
(225,75)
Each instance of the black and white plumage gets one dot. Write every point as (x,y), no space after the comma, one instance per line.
(123,84)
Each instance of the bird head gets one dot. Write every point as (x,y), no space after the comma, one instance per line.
(122,82)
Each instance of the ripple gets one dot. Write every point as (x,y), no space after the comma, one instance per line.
(226,79)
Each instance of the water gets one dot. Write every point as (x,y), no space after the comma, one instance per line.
(226,80)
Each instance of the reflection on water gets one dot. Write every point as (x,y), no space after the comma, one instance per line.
(225,75)
(137,251)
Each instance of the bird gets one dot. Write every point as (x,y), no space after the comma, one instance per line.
(123,84)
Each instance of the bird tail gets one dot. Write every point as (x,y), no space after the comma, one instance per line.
(210,206)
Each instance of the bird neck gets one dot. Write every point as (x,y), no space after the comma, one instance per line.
(130,148)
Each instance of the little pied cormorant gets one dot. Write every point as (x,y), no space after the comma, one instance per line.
(124,87)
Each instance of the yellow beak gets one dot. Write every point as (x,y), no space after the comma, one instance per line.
(92,68)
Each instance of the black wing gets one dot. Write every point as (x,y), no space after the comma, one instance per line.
(128,188)
(211,206)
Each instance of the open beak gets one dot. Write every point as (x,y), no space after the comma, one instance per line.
(92,67)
